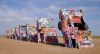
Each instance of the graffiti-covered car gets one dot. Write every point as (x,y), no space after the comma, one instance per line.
(45,27)
(69,20)
(32,32)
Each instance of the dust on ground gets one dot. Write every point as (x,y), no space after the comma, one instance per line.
(10,46)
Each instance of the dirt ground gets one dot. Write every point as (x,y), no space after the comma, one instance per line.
(9,46)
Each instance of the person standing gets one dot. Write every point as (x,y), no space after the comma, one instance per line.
(64,26)
(73,40)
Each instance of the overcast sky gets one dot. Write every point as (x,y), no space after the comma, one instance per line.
(20,12)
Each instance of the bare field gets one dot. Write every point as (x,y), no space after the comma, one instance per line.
(9,46)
